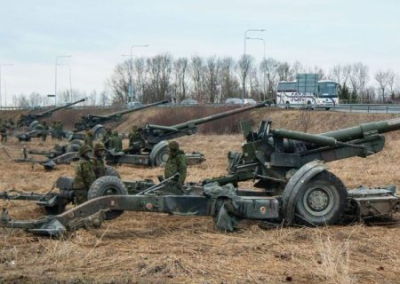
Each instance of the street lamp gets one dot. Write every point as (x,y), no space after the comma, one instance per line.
(258,38)
(244,56)
(70,80)
(130,87)
(1,65)
(55,83)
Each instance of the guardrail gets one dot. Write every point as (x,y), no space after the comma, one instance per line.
(352,108)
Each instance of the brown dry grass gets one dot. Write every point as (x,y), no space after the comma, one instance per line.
(150,248)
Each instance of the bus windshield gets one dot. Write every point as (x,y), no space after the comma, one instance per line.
(326,89)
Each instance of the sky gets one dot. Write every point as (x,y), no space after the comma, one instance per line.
(96,34)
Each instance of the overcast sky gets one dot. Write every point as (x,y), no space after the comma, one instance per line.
(97,33)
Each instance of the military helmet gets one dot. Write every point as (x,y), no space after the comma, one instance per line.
(173,145)
(99,146)
(84,149)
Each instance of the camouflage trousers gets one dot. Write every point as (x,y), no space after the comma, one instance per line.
(80,196)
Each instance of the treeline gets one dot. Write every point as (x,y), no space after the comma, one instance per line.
(213,79)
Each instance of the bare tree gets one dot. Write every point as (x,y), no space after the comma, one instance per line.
(180,70)
(104,98)
(358,77)
(244,66)
(211,79)
(270,68)
(283,71)
(339,74)
(119,82)
(160,68)
(197,76)
(229,84)
(383,77)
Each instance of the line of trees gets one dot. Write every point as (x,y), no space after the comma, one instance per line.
(214,79)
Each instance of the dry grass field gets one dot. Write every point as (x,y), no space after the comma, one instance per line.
(151,248)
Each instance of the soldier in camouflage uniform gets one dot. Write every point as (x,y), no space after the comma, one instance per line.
(98,162)
(89,138)
(45,131)
(3,132)
(136,142)
(107,138)
(116,142)
(176,163)
(84,175)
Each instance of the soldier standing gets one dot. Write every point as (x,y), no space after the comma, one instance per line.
(89,138)
(116,142)
(45,131)
(107,138)
(3,132)
(84,175)
(176,163)
(136,142)
(98,162)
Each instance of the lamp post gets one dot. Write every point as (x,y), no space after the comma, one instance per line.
(70,80)
(258,38)
(1,86)
(130,88)
(244,57)
(55,81)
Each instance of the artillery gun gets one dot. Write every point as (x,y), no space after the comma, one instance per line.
(288,165)
(94,122)
(31,121)
(154,151)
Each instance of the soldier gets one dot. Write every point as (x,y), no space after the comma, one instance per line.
(3,132)
(116,142)
(84,175)
(176,163)
(98,162)
(136,141)
(45,131)
(107,138)
(89,138)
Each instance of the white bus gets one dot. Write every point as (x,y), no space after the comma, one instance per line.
(307,90)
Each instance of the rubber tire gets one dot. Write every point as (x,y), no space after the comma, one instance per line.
(111,171)
(157,157)
(74,146)
(101,187)
(331,184)
(98,132)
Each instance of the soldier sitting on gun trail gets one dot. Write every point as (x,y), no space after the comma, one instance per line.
(89,138)
(45,131)
(84,175)
(136,141)
(176,163)
(98,162)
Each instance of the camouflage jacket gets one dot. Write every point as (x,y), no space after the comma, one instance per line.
(116,144)
(135,140)
(99,166)
(107,139)
(176,163)
(89,141)
(84,174)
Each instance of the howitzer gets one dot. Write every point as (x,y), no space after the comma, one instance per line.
(90,120)
(154,149)
(28,119)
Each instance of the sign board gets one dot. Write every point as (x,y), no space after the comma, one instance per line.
(307,83)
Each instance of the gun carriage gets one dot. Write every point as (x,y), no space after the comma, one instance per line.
(289,166)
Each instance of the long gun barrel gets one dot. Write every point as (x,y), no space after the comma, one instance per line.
(27,119)
(156,133)
(89,121)
(337,137)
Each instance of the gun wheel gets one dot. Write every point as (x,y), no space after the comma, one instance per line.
(108,185)
(321,201)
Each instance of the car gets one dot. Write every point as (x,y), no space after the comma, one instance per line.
(189,102)
(134,104)
(249,102)
(233,101)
